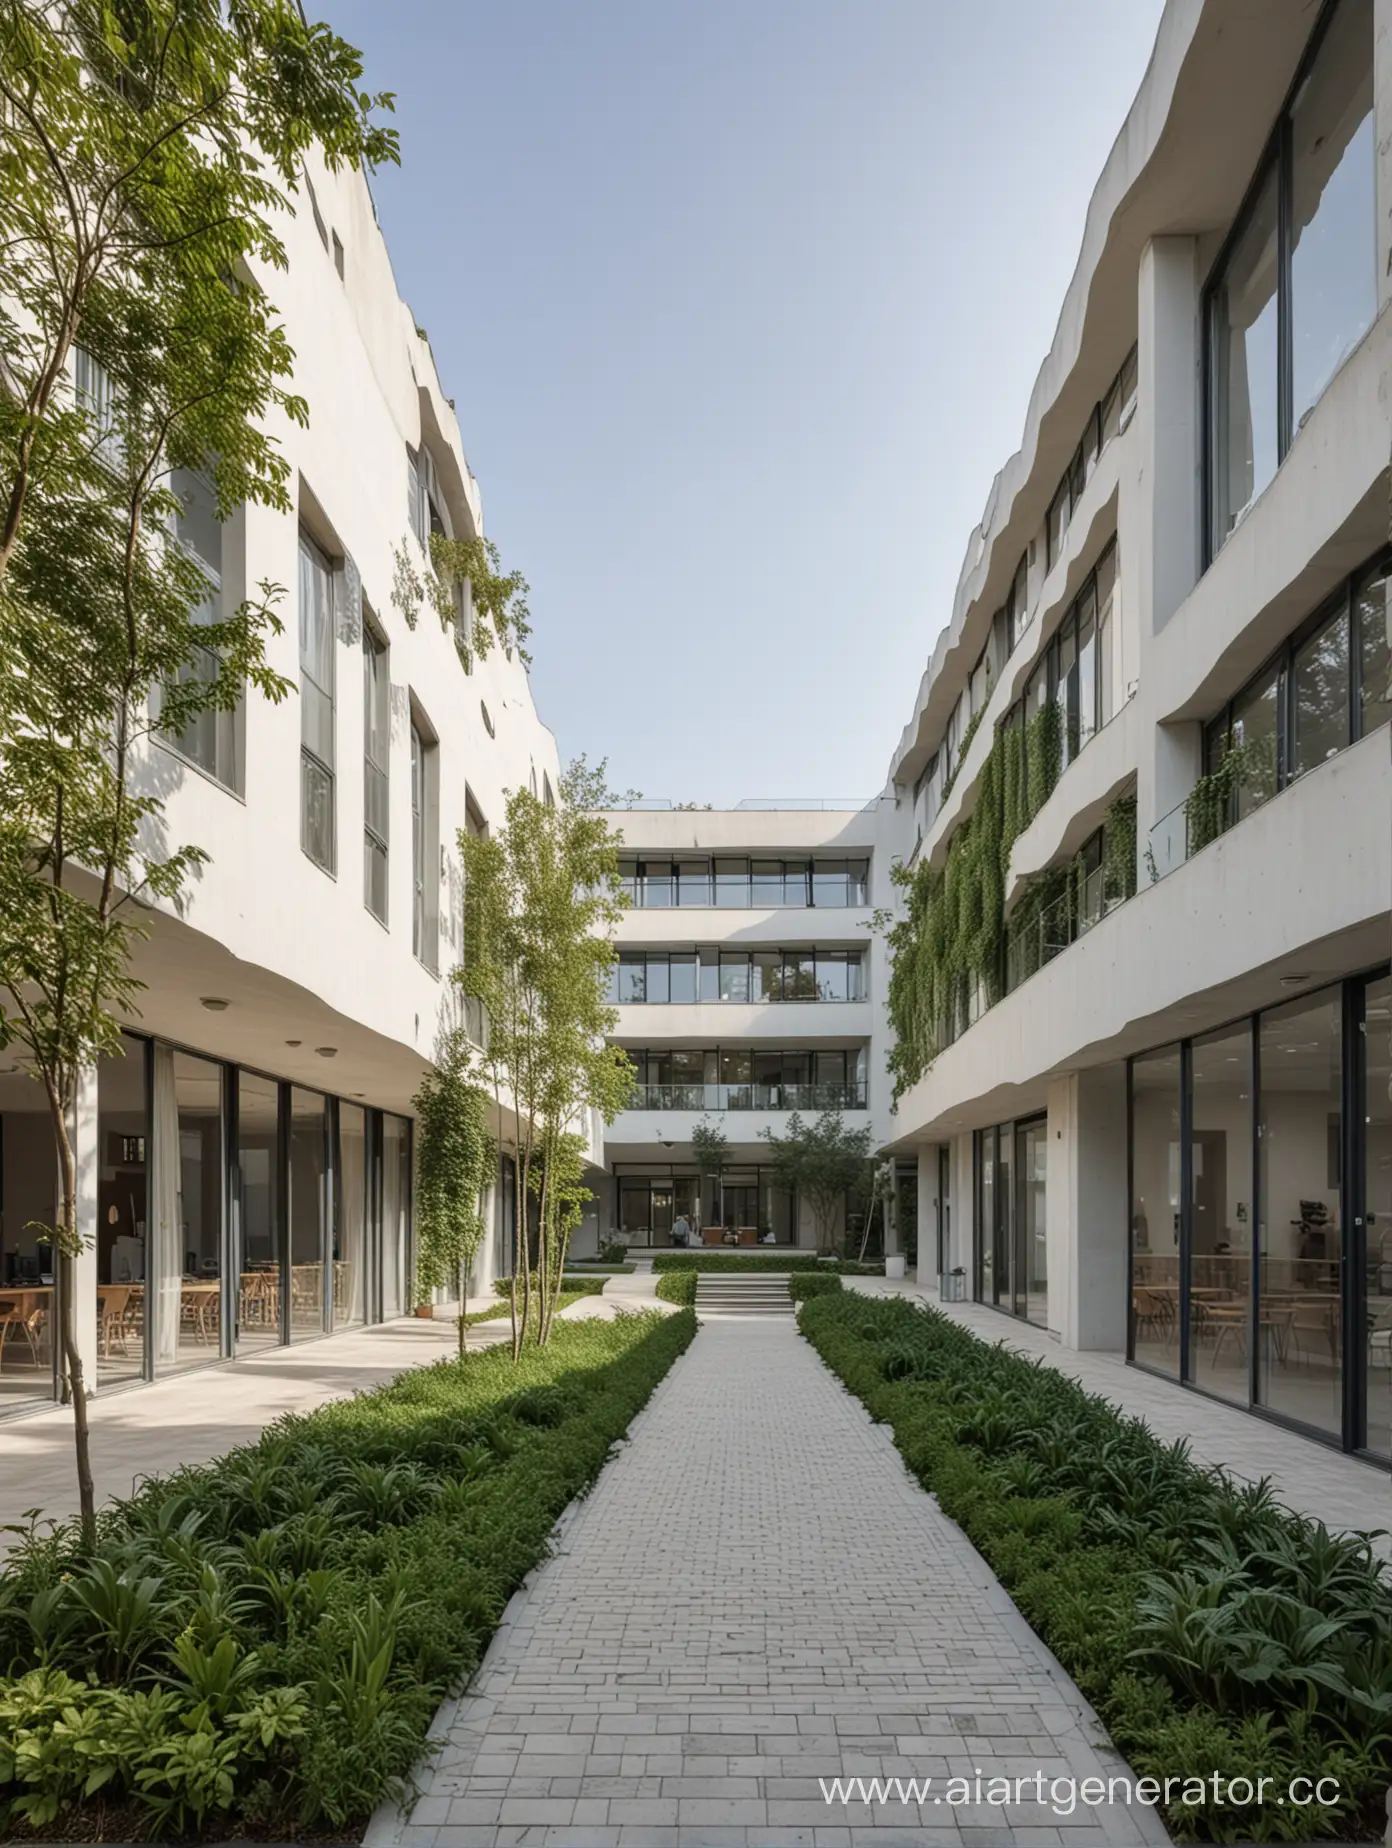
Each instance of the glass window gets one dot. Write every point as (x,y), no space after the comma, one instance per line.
(736,1066)
(658,883)
(396,1215)
(1130,380)
(186,1210)
(1374,611)
(799,976)
(1057,523)
(1256,732)
(766,882)
(857,882)
(1377,1210)
(259,1232)
(856,979)
(829,883)
(1087,664)
(1333,211)
(123,1205)
(709,980)
(28,1200)
(376,767)
(795,887)
(977,686)
(734,977)
(986,1240)
(1321,677)
(350,1220)
(1106,636)
(832,976)
(1155,1208)
(628,879)
(1066,693)
(317,827)
(210,738)
(1243,367)
(693,882)
(732,883)
(1300,1207)
(633,980)
(767,976)
(659,988)
(425,922)
(1032,1247)
(1019,600)
(681,972)
(1220,1214)
(309,1189)
(1111,412)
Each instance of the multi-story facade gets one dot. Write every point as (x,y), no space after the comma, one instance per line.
(245,1168)
(1161,1122)
(748,986)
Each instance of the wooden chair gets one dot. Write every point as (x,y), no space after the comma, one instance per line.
(115,1315)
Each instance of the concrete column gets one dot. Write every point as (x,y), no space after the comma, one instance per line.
(1087,1208)
(1162,512)
(1382,126)
(927,1212)
(87,1154)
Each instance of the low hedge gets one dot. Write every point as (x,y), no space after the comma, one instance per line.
(803,1286)
(679,1287)
(257,1645)
(762,1261)
(499,1310)
(592,1267)
(571,1286)
(1213,1630)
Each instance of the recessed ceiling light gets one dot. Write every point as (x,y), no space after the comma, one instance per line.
(215,1003)
(1294,981)
(294,1042)
(326,1052)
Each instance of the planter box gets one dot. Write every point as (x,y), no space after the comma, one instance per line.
(894,1265)
(426,1311)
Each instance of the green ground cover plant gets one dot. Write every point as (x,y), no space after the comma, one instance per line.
(1212,1629)
(570,1286)
(679,1286)
(257,1645)
(763,1261)
(802,1286)
(499,1310)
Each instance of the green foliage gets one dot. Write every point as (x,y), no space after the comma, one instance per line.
(803,1285)
(679,1287)
(572,1286)
(1210,808)
(823,1163)
(1213,1630)
(710,1147)
(973,726)
(455,1157)
(463,583)
(666,1261)
(1119,850)
(614,1251)
(257,1645)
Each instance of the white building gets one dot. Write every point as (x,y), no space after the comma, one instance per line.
(1161,1122)
(246,1167)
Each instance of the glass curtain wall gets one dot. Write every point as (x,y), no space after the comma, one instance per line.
(1376,1092)
(1300,1235)
(1155,1210)
(351,1219)
(1012,1192)
(309,1210)
(1220,1229)
(28,1198)
(260,1253)
(186,1210)
(123,1212)
(1032,1266)
(396,1217)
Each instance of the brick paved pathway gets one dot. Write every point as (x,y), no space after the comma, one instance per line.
(755,1596)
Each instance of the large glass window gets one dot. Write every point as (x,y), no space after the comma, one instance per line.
(425,833)
(1333,210)
(210,737)
(1279,325)
(376,771)
(1256,732)
(734,977)
(186,1209)
(1301,1218)
(1220,1213)
(1373,612)
(309,1210)
(1032,1257)
(1155,1209)
(1320,682)
(28,1200)
(1376,1088)
(317,823)
(260,1226)
(681,977)
(123,1212)
(693,882)
(396,1215)
(350,1219)
(732,883)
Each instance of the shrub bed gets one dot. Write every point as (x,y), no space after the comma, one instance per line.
(570,1286)
(499,1310)
(1213,1630)
(802,1286)
(258,1645)
(764,1261)
(679,1287)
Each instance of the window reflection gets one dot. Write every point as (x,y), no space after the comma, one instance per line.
(1155,1185)
(1220,1238)
(1243,358)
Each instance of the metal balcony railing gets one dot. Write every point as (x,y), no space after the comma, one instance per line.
(747,1097)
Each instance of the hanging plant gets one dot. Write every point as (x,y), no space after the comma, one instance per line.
(1119,851)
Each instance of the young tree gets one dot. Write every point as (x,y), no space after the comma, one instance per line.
(540,903)
(710,1148)
(823,1162)
(455,1153)
(146,146)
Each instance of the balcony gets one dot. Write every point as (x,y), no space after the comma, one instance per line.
(706,1097)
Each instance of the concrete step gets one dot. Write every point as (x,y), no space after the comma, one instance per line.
(753,1293)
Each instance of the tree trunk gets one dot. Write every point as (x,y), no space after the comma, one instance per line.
(524,1241)
(74,1386)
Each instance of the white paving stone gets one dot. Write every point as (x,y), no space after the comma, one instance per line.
(756,1596)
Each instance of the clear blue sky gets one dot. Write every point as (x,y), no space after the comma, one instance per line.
(741,302)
